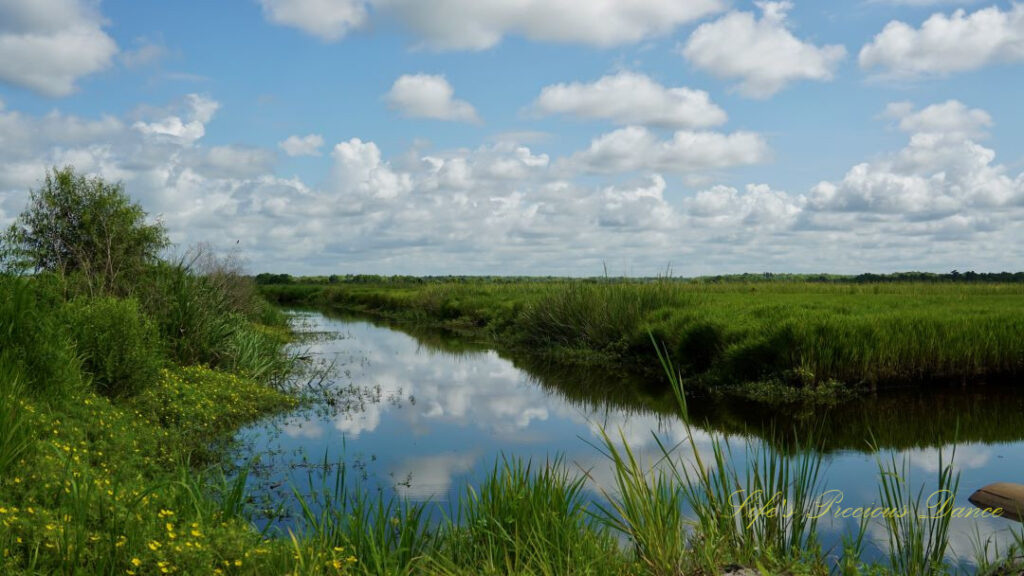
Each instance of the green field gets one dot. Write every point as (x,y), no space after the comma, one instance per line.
(778,338)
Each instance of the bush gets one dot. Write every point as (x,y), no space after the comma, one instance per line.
(120,347)
(76,224)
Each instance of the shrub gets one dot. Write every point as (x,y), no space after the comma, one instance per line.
(75,224)
(120,347)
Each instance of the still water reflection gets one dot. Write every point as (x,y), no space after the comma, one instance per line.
(424,416)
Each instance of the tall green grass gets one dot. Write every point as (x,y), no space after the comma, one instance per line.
(526,519)
(918,535)
(803,335)
(15,432)
(33,339)
(384,536)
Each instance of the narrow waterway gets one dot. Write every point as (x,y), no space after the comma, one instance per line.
(425,416)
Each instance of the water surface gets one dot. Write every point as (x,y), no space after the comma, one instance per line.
(425,416)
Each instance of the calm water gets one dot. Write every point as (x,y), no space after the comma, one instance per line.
(425,416)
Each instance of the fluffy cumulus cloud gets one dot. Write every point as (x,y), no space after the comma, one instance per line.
(47,45)
(943,180)
(308,145)
(507,207)
(360,172)
(328,20)
(761,52)
(727,208)
(631,98)
(946,44)
(429,96)
(481,24)
(637,148)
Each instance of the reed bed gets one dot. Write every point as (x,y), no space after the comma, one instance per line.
(804,336)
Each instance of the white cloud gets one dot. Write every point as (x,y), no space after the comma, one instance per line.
(358,169)
(763,53)
(429,96)
(641,207)
(725,207)
(235,162)
(186,128)
(47,45)
(919,3)
(481,24)
(308,145)
(328,20)
(930,205)
(637,148)
(945,44)
(632,98)
(942,172)
(951,118)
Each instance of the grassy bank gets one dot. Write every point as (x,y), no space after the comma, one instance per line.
(774,338)
(111,408)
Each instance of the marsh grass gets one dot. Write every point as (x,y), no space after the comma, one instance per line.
(918,534)
(15,433)
(792,334)
(993,559)
(382,536)
(527,519)
(765,513)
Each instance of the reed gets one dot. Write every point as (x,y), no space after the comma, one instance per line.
(725,336)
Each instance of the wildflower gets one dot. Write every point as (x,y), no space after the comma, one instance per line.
(136,562)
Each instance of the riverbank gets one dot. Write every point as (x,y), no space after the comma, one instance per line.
(112,408)
(778,341)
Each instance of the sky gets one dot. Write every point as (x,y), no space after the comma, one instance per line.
(535,137)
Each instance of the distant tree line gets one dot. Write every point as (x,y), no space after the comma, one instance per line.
(867,278)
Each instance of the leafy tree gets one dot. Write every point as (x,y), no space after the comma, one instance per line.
(82,225)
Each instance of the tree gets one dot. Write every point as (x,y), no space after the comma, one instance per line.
(82,225)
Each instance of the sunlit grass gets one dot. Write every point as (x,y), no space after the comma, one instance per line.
(800,335)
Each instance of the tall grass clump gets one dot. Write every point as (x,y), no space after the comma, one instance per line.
(120,347)
(646,506)
(918,527)
(190,312)
(15,432)
(257,353)
(765,514)
(32,338)
(526,519)
(596,316)
(345,528)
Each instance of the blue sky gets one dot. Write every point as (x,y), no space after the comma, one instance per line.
(535,137)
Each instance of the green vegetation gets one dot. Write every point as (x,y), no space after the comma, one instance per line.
(75,224)
(765,338)
(119,376)
(117,387)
